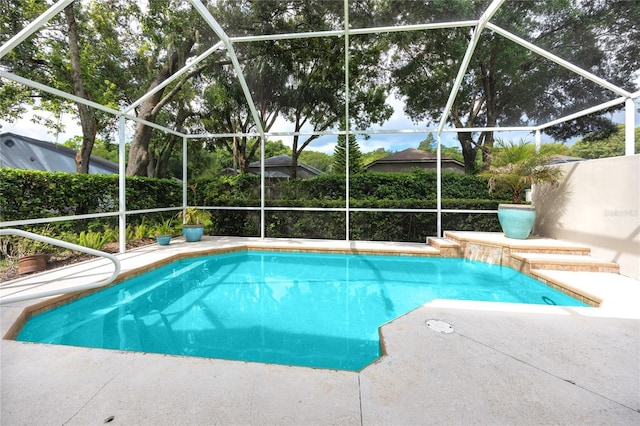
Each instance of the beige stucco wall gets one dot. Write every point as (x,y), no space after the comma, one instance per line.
(596,204)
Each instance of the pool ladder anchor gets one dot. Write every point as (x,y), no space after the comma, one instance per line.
(19,295)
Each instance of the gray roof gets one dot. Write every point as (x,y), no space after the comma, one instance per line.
(284,160)
(22,152)
(412,155)
(276,175)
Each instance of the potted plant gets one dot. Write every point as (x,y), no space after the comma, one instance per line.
(32,255)
(514,168)
(193,220)
(164,231)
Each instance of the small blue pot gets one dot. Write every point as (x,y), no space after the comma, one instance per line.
(516,220)
(163,240)
(192,233)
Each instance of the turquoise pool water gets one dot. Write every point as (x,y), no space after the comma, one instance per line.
(317,310)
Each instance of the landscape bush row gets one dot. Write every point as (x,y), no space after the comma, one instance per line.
(34,194)
(14,247)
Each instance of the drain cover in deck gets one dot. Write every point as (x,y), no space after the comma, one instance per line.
(439,326)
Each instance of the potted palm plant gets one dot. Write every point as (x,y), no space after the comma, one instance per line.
(193,220)
(514,168)
(164,231)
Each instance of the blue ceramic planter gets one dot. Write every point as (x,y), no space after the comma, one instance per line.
(163,240)
(192,233)
(516,220)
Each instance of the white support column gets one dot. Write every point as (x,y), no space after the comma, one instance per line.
(538,140)
(629,127)
(263,232)
(184,174)
(122,204)
(346,114)
(439,185)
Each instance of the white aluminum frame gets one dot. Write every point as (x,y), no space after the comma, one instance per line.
(226,43)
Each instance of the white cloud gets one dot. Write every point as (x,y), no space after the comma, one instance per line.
(26,127)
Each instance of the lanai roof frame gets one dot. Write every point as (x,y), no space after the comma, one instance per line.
(226,42)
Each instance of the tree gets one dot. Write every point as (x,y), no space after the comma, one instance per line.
(273,148)
(516,166)
(314,95)
(69,55)
(429,145)
(319,160)
(602,147)
(171,42)
(506,84)
(226,109)
(370,157)
(102,148)
(87,114)
(340,156)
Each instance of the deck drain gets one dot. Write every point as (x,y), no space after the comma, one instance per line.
(439,326)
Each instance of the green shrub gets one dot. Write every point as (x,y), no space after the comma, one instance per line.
(388,186)
(29,194)
(92,239)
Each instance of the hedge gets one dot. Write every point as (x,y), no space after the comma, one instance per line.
(32,194)
(389,186)
(29,194)
(375,226)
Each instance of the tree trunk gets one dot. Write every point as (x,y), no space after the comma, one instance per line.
(162,163)
(489,83)
(469,152)
(139,149)
(293,174)
(88,120)
(139,156)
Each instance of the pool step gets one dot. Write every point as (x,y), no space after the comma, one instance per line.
(509,245)
(608,291)
(447,247)
(525,262)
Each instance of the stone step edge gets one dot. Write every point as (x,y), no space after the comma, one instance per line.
(566,288)
(561,261)
(439,242)
(515,246)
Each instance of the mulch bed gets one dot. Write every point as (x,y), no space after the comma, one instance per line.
(69,258)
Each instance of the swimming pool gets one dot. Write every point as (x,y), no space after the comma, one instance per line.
(307,309)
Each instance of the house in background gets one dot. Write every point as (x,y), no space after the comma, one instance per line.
(21,152)
(279,167)
(407,160)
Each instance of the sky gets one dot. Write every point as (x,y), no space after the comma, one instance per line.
(326,144)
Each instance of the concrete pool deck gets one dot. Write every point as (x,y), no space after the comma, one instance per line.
(502,364)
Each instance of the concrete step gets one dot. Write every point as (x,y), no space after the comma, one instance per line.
(615,294)
(532,244)
(441,242)
(525,262)
(447,247)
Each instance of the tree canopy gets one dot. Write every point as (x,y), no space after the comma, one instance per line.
(507,84)
(603,145)
(115,52)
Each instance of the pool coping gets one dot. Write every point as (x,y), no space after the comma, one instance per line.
(423,377)
(620,299)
